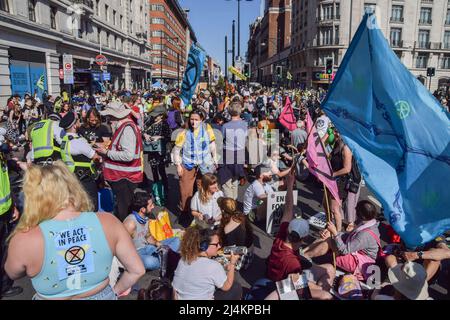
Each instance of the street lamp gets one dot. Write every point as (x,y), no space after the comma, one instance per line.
(239,25)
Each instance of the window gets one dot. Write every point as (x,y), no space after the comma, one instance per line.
(121,22)
(445,62)
(114,17)
(447,17)
(328,12)
(97,12)
(99,32)
(107,12)
(53,11)
(422,61)
(447,40)
(32,10)
(424,38)
(327,36)
(425,16)
(107,39)
(396,37)
(131,27)
(115,43)
(4,5)
(338,11)
(397,14)
(336,35)
(369,7)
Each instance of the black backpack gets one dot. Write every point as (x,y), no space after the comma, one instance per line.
(260,103)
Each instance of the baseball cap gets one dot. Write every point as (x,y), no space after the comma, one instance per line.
(300,226)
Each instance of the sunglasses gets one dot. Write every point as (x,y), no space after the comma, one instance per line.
(215,244)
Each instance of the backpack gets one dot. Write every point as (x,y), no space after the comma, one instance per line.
(171,119)
(260,103)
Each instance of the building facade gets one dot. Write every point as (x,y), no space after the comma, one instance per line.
(34,36)
(269,43)
(417,30)
(171,37)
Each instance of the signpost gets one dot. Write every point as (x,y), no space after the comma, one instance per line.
(101,60)
(68,68)
(275,203)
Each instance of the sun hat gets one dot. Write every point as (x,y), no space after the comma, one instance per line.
(410,279)
(116,109)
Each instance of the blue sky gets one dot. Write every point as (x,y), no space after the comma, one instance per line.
(212,20)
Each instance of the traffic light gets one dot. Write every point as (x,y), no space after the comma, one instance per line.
(148,76)
(279,71)
(329,66)
(247,70)
(431,72)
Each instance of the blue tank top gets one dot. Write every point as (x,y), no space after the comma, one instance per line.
(77,257)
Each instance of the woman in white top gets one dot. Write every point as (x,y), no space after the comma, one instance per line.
(197,276)
(204,205)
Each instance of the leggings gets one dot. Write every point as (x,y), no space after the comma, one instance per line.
(159,173)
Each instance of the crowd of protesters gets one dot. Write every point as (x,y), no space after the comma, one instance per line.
(76,207)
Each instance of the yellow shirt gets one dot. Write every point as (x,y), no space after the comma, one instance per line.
(181,137)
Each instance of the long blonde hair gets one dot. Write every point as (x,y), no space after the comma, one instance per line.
(48,190)
(208,180)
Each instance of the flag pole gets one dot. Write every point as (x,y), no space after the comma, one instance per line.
(328,217)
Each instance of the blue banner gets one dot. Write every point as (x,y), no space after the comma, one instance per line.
(192,73)
(398,132)
(28,77)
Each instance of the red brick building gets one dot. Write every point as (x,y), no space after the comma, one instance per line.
(171,36)
(270,41)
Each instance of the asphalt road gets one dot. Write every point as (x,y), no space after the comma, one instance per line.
(309,203)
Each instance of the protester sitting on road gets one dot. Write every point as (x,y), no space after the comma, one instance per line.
(284,258)
(204,206)
(407,281)
(137,225)
(274,163)
(58,229)
(257,191)
(235,229)
(429,255)
(197,275)
(194,154)
(357,250)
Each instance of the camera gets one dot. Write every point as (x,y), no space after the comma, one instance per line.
(241,250)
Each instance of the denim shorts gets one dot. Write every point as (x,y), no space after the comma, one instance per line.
(105,294)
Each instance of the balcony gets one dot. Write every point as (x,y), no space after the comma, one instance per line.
(426,22)
(86,5)
(423,45)
(397,19)
(397,43)
(328,18)
(446,45)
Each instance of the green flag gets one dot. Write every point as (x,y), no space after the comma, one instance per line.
(40,82)
(289,76)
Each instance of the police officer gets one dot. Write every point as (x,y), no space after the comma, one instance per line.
(46,137)
(8,215)
(79,156)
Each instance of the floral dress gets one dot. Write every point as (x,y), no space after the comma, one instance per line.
(159,129)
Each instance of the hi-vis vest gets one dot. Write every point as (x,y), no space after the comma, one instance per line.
(187,110)
(196,149)
(44,145)
(5,188)
(118,170)
(74,163)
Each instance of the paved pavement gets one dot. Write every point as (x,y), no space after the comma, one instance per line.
(309,203)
